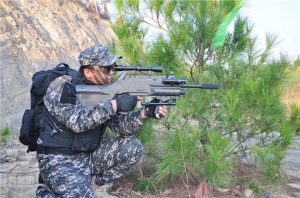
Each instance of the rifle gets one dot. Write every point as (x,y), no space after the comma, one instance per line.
(165,89)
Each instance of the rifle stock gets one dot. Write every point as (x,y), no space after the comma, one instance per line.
(164,89)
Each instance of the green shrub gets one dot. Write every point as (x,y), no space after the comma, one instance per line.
(4,134)
(297,61)
(218,165)
(255,187)
(145,185)
(268,161)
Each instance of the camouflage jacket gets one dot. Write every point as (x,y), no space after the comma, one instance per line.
(80,119)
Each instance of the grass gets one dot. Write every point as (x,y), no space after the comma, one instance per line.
(4,134)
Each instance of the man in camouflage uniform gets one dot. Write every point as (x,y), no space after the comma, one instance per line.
(71,147)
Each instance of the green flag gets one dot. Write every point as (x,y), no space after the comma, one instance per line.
(220,35)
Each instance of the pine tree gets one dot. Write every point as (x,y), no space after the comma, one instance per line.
(208,133)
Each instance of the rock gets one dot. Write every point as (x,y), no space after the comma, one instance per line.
(248,193)
(223,190)
(37,35)
(296,186)
(10,158)
(24,191)
(265,195)
(291,161)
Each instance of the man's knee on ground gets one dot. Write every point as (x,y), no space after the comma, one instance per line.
(134,149)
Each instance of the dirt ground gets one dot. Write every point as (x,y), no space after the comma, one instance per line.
(287,189)
(19,171)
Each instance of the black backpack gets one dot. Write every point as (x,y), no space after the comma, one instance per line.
(32,119)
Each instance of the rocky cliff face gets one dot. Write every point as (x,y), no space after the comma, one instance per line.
(37,35)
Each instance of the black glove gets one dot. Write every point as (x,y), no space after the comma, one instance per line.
(151,110)
(126,103)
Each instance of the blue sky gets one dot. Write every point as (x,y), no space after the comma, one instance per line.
(281,17)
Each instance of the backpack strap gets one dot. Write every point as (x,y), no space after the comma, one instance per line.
(77,78)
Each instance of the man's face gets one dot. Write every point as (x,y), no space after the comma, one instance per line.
(101,75)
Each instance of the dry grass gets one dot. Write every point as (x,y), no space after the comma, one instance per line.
(291,92)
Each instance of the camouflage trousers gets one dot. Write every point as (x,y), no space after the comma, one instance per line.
(70,175)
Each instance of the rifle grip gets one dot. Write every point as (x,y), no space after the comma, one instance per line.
(156,111)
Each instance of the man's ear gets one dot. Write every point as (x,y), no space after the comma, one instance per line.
(87,73)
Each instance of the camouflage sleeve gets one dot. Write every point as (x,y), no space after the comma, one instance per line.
(74,115)
(126,125)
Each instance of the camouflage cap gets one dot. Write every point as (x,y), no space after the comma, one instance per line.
(97,55)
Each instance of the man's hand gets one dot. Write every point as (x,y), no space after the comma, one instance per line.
(125,103)
(155,111)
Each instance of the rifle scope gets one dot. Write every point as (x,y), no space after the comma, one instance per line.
(138,68)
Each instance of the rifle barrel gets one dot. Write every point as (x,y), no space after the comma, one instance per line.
(202,86)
